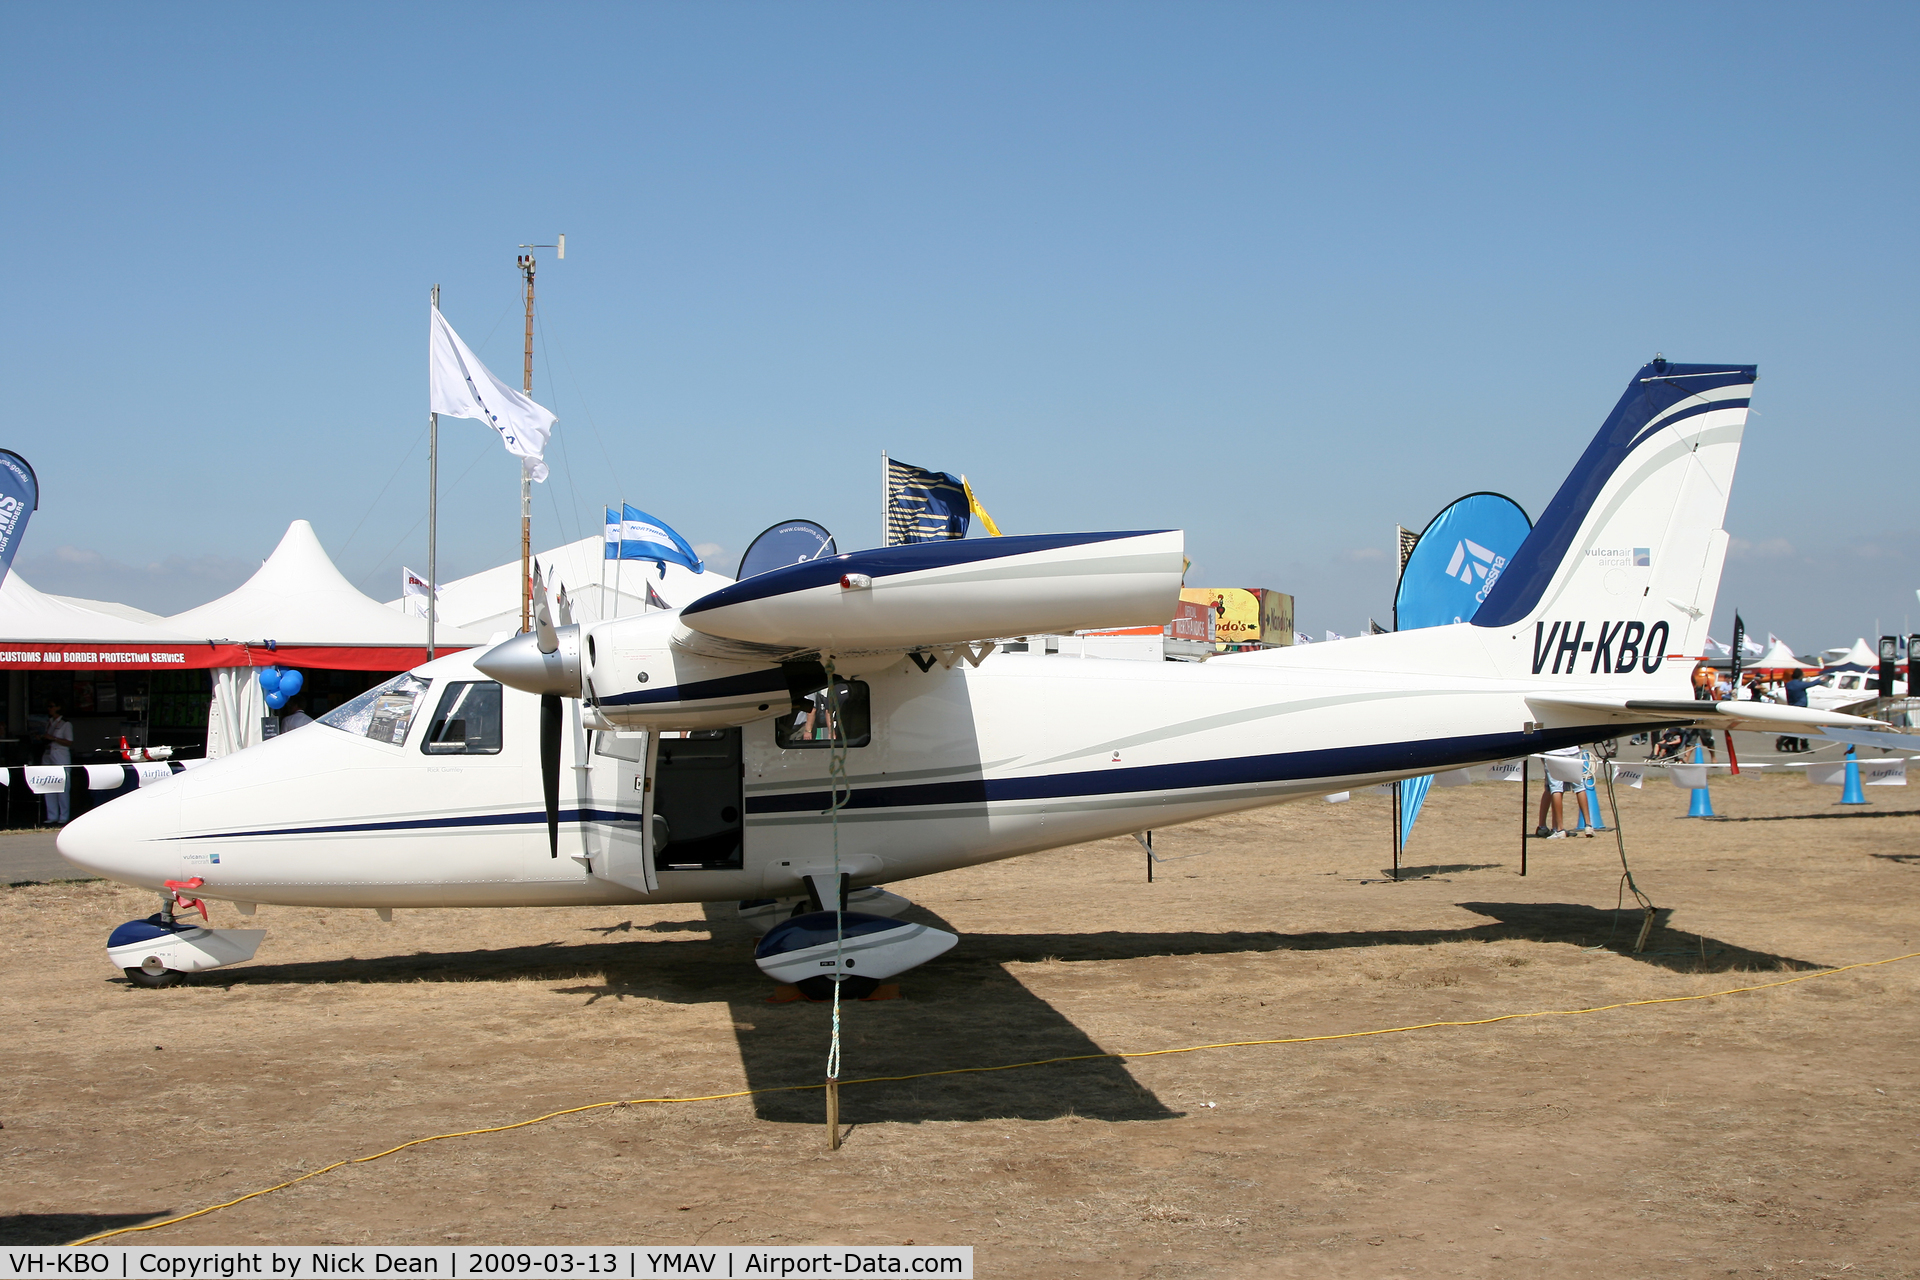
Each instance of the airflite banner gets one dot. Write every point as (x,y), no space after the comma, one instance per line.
(19,498)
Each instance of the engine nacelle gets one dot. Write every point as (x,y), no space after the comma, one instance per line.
(519,664)
(636,677)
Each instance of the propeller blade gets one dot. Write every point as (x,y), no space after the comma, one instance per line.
(542,618)
(565,607)
(550,767)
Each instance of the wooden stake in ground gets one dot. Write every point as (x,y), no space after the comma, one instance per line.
(833,1114)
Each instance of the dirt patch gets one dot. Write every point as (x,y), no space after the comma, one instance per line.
(1772,1132)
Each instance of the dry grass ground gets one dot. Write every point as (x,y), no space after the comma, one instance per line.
(1770,1133)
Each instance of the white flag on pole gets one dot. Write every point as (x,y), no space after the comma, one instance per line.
(459,386)
(413,592)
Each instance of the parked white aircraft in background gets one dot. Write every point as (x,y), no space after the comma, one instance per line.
(683,756)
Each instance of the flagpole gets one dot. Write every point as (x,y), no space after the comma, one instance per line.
(433,504)
(526,472)
(883,499)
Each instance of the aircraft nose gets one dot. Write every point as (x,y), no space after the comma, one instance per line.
(519,664)
(128,838)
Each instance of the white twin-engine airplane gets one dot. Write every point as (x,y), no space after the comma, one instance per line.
(683,756)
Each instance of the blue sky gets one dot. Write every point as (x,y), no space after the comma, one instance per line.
(1281,276)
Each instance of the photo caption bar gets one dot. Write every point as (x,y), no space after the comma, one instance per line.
(474,1262)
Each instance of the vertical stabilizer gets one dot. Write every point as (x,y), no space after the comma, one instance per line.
(1615,584)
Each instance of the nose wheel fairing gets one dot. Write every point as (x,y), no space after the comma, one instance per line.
(159,946)
(805,952)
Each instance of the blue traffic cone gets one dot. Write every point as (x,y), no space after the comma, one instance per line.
(1851,793)
(1593,805)
(1702,806)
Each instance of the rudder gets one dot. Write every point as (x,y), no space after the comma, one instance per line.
(1621,571)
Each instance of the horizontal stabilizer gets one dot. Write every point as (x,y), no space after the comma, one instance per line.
(1762,716)
(947,593)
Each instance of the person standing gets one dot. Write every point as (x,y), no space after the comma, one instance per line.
(58,738)
(1553,800)
(1797,697)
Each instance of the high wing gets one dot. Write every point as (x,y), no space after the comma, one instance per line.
(933,594)
(1760,716)
(739,653)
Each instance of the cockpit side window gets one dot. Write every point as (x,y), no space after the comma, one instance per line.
(467,722)
(383,713)
(809,721)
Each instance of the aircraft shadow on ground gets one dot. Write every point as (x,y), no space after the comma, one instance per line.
(59,1228)
(1823,817)
(965,1009)
(1445,869)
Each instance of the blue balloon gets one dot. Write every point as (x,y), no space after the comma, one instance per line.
(269,678)
(290,682)
(276,699)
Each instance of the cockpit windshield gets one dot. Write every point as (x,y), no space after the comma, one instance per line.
(383,712)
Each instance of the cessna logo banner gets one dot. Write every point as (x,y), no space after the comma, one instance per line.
(1616,648)
(1457,560)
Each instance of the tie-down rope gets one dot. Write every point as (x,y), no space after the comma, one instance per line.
(1010,1066)
(839,792)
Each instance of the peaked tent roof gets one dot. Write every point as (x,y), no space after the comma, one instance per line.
(1779,658)
(40,632)
(298,597)
(31,616)
(1858,658)
(113,607)
(489,601)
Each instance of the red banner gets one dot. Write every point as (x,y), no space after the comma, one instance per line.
(188,657)
(136,657)
(340,657)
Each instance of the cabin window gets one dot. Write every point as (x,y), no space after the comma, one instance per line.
(808,722)
(384,712)
(467,722)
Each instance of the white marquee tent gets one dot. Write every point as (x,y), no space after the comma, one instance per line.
(298,610)
(488,602)
(1859,658)
(30,617)
(299,598)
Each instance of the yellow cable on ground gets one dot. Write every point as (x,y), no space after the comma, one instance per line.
(1011,1066)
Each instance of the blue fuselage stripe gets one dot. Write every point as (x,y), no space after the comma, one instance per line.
(1427,756)
(1431,755)
(529,817)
